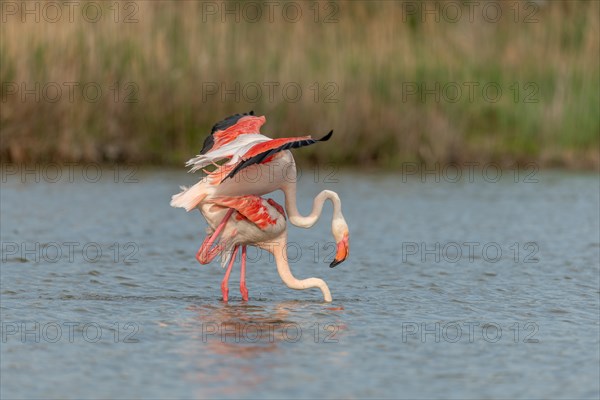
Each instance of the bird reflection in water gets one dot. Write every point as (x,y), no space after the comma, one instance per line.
(229,342)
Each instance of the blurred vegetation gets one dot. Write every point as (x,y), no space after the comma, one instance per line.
(368,57)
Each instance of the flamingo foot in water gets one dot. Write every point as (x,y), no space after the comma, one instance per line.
(244,291)
(225,292)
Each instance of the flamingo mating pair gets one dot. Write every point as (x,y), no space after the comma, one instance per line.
(241,165)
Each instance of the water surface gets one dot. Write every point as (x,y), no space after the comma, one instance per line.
(420,309)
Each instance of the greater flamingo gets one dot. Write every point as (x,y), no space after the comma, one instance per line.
(250,220)
(235,145)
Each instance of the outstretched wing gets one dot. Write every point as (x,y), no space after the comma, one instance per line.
(262,151)
(230,128)
(229,139)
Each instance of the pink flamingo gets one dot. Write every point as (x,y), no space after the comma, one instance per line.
(241,221)
(235,145)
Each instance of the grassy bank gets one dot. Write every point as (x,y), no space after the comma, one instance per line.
(146,81)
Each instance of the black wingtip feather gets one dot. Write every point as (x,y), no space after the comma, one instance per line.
(326,137)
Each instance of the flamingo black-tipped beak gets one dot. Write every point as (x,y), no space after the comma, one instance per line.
(343,249)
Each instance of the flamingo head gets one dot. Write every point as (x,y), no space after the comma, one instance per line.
(341,235)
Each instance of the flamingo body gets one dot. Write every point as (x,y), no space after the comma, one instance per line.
(240,165)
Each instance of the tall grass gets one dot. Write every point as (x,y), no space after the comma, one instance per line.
(367,62)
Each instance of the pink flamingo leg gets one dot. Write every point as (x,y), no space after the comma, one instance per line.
(224,283)
(243,289)
(205,254)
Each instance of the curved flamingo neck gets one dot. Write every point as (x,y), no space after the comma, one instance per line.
(307,221)
(279,252)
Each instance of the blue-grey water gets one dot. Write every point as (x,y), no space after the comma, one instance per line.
(468,289)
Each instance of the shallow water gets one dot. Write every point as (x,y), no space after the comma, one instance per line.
(452,290)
